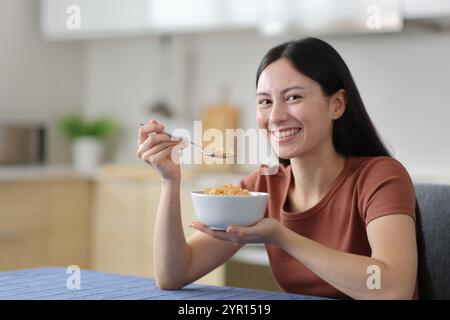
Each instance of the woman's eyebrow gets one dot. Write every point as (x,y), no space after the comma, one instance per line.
(282,91)
(291,88)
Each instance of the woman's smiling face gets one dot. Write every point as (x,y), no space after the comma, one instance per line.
(294,110)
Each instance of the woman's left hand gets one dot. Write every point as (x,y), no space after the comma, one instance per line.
(265,231)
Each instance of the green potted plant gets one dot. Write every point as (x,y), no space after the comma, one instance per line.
(87,137)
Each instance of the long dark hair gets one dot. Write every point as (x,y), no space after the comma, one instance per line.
(353,133)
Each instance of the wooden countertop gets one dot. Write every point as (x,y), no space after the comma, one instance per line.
(17,173)
(110,171)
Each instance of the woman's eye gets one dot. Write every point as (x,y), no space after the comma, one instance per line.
(294,97)
(264,101)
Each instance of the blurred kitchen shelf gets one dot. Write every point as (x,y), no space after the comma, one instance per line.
(431,178)
(255,254)
(250,268)
(26,172)
(189,173)
(253,276)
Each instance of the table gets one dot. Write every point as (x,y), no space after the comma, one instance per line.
(51,283)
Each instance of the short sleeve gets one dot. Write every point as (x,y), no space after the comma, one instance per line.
(385,187)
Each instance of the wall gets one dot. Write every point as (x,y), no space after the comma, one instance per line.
(404,82)
(39,81)
(122,81)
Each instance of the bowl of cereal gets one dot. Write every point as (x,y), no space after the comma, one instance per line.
(228,205)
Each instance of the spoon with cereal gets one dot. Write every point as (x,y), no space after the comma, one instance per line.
(214,153)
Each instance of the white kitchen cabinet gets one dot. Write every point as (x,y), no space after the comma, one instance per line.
(98,18)
(44,222)
(203,15)
(109,18)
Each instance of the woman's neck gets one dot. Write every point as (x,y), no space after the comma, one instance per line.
(313,175)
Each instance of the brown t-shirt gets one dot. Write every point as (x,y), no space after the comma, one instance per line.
(367,188)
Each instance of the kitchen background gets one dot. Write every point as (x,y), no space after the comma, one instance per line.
(199,57)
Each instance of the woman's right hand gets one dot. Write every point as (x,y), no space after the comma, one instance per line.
(157,149)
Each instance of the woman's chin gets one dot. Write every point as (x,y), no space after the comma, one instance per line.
(285,156)
(288,155)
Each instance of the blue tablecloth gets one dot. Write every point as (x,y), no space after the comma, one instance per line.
(50,283)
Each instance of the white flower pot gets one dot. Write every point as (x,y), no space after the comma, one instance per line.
(87,154)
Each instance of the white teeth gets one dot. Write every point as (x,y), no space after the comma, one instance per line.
(285,133)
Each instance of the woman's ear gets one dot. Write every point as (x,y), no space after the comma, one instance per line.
(338,104)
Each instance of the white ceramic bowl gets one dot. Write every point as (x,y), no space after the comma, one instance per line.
(220,211)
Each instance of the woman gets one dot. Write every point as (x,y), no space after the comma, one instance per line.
(341,215)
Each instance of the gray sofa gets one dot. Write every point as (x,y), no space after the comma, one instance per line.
(433,222)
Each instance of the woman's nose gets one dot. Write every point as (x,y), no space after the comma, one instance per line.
(279,113)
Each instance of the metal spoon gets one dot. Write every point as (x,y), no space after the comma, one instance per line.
(222,155)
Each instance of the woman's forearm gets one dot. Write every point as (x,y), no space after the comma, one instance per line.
(170,250)
(346,272)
